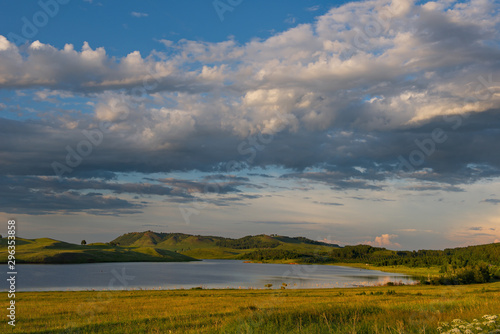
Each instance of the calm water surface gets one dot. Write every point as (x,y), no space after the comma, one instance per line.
(207,274)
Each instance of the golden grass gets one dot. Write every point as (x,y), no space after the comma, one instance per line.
(398,309)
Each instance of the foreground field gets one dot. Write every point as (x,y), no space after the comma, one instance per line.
(395,309)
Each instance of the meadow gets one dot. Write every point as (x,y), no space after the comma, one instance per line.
(385,309)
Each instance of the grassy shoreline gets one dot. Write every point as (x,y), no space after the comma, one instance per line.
(398,309)
(398,269)
(410,271)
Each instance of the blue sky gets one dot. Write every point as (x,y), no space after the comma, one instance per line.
(369,122)
(138,25)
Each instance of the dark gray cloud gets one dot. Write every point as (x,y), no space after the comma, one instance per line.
(492,201)
(189,186)
(226,177)
(328,203)
(434,187)
(32,193)
(260,175)
(29,148)
(40,202)
(59,185)
(338,180)
(217,199)
(361,198)
(482,234)
(236,199)
(45,195)
(281,223)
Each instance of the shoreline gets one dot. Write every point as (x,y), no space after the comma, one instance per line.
(201,288)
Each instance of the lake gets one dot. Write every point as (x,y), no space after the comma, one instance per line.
(212,274)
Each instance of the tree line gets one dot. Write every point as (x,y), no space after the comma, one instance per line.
(474,264)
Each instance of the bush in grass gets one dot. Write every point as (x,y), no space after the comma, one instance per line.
(479,273)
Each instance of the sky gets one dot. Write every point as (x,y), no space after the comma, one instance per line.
(367,122)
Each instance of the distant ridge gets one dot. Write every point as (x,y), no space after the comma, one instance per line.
(182,241)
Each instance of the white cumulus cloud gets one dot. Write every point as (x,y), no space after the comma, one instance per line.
(385,240)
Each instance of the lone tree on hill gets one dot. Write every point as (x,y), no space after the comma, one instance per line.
(83,242)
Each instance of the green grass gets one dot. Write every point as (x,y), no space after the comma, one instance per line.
(411,271)
(186,244)
(214,253)
(398,309)
(45,250)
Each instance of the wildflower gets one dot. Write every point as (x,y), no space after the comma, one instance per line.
(474,327)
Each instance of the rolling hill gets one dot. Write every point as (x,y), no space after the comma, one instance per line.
(46,250)
(150,246)
(211,247)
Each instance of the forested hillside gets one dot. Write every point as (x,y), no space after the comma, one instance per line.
(473,264)
(456,257)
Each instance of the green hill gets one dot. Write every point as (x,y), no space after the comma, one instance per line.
(211,247)
(151,246)
(45,250)
(171,241)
